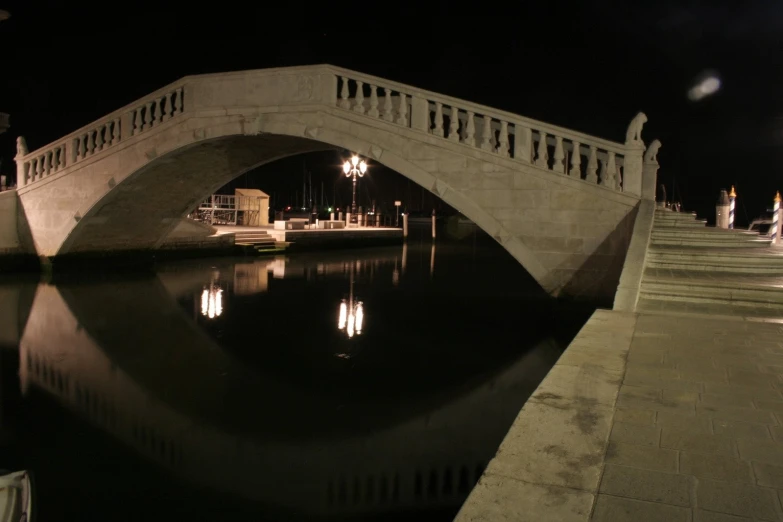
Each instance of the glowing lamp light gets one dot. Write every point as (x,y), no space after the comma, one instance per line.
(346,168)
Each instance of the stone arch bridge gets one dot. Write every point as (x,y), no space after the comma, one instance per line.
(561,202)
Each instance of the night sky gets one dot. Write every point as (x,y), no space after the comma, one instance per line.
(589,66)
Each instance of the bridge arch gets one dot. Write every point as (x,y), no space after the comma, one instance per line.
(123,182)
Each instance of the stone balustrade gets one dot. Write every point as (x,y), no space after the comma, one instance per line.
(157,110)
(100,136)
(549,147)
(615,166)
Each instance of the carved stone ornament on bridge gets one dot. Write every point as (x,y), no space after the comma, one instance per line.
(634,133)
(21,147)
(305,88)
(651,156)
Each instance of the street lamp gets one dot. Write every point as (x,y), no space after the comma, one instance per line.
(354,168)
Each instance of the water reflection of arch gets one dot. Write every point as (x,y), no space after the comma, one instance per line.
(58,355)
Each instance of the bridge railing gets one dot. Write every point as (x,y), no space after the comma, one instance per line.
(615,166)
(563,151)
(101,135)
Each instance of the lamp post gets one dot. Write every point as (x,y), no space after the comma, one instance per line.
(354,168)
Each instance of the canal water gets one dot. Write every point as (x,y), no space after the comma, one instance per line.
(370,384)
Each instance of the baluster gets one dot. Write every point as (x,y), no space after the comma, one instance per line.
(559,156)
(46,164)
(136,122)
(358,104)
(592,165)
(454,124)
(620,178)
(611,171)
(63,156)
(542,155)
(402,119)
(83,146)
(486,134)
(161,110)
(99,139)
(172,101)
(344,103)
(168,100)
(90,143)
(503,139)
(437,129)
(56,155)
(576,162)
(31,171)
(179,103)
(470,131)
(373,112)
(602,173)
(75,150)
(117,134)
(146,121)
(388,111)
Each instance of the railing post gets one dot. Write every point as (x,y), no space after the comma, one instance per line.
(21,152)
(633,172)
(126,125)
(420,113)
(650,171)
(523,143)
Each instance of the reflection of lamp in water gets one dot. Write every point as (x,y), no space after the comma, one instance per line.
(351,318)
(212,301)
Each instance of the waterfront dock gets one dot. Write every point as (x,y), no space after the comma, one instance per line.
(667,408)
(313,238)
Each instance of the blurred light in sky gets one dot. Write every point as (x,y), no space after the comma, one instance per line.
(708,84)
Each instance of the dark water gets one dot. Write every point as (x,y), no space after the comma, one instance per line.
(229,389)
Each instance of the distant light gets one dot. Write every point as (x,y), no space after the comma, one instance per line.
(4,15)
(709,84)
(329,209)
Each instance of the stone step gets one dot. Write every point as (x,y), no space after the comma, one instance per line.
(658,223)
(705,232)
(747,291)
(675,216)
(739,262)
(671,213)
(709,300)
(711,243)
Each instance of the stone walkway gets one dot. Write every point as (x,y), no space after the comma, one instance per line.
(648,417)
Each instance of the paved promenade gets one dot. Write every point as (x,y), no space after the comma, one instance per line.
(672,412)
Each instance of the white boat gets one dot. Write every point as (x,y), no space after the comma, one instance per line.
(16,497)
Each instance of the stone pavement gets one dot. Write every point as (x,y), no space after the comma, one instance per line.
(648,417)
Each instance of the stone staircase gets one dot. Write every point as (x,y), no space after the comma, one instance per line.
(690,267)
(257,239)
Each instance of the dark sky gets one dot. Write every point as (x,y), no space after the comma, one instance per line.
(585,65)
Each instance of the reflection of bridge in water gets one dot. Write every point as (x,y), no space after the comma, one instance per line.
(162,389)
